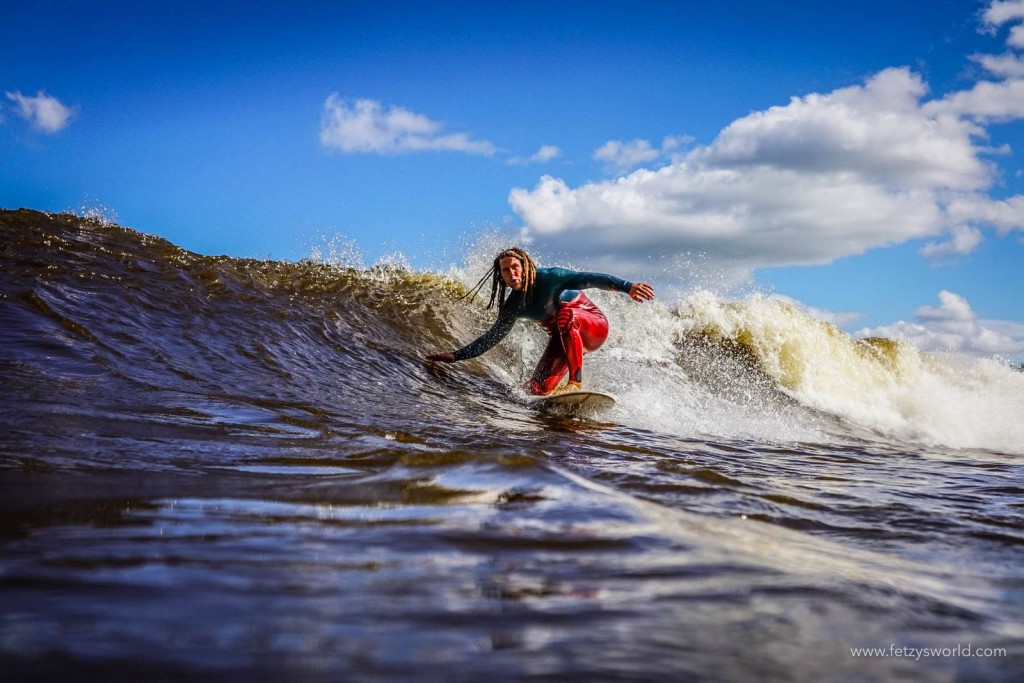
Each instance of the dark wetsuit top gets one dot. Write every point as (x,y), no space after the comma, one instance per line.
(551,287)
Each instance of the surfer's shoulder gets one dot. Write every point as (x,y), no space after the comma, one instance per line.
(559,273)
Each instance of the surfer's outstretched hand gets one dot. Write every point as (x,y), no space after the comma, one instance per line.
(442,357)
(641,291)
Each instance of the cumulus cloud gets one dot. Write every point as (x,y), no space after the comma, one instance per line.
(546,153)
(993,100)
(622,156)
(543,155)
(954,326)
(44,113)
(626,154)
(986,101)
(877,131)
(369,127)
(1004,66)
(825,176)
(963,241)
(1000,12)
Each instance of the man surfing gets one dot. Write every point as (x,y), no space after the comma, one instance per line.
(552,298)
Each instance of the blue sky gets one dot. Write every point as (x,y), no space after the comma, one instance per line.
(861,158)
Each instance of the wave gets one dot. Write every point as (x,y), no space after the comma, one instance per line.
(129,324)
(882,384)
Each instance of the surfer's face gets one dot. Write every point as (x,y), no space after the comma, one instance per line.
(511,272)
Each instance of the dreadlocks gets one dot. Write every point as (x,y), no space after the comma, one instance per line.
(498,287)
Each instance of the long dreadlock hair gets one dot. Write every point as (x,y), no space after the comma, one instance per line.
(499,289)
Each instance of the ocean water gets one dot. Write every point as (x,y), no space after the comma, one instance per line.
(223,467)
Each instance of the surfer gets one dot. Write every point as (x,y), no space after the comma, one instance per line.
(552,298)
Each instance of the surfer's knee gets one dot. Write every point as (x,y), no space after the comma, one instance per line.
(566,320)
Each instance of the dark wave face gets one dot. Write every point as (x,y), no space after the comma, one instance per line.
(213,466)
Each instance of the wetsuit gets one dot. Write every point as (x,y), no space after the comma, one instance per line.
(575,324)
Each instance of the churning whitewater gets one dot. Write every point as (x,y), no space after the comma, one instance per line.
(218,464)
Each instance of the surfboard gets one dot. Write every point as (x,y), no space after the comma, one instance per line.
(576,401)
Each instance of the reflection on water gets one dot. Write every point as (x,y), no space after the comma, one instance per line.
(495,565)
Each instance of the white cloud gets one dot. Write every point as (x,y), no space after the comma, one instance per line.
(543,155)
(546,153)
(622,156)
(823,177)
(1007,328)
(877,131)
(625,155)
(986,101)
(673,142)
(1006,65)
(1000,12)
(963,241)
(369,127)
(44,113)
(954,326)
(1004,215)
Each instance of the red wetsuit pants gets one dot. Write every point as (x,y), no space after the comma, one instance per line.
(578,327)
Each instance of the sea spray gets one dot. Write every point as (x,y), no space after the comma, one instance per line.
(661,387)
(883,385)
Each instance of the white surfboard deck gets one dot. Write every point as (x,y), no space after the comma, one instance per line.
(575,400)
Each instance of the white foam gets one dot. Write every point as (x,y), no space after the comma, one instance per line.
(892,388)
(640,364)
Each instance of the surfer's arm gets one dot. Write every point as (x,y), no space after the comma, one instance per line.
(638,291)
(572,280)
(485,342)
